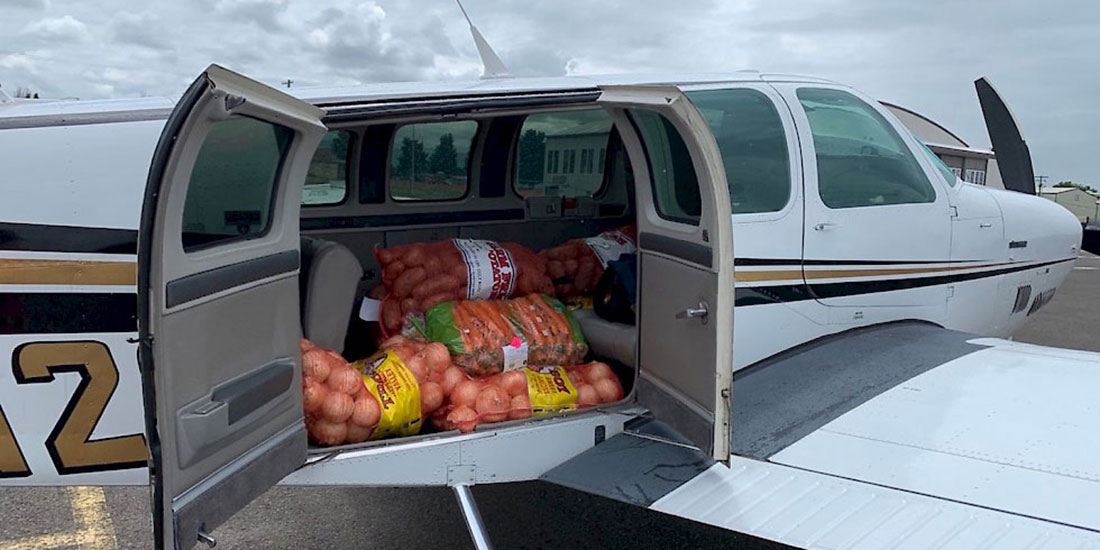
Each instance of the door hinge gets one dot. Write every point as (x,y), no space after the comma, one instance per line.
(950,292)
(954,211)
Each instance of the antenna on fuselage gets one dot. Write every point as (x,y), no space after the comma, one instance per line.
(492,66)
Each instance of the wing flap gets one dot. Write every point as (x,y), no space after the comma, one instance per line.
(1011,427)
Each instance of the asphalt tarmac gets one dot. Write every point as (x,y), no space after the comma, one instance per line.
(525,515)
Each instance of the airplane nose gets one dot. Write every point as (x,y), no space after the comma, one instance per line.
(1037,228)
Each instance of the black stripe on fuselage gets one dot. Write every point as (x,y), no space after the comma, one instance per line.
(65,238)
(778,262)
(67,313)
(760,295)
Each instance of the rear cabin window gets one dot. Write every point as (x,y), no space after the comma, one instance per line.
(327,179)
(750,137)
(675,184)
(233,183)
(861,160)
(562,154)
(429,161)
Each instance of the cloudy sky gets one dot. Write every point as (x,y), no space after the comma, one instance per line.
(923,54)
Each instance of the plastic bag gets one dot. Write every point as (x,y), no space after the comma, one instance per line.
(527,392)
(489,336)
(419,276)
(576,265)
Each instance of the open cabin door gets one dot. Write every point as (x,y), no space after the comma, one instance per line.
(218,301)
(685,251)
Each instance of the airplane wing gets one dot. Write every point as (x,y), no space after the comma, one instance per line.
(904,435)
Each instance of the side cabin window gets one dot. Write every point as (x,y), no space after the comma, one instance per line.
(327,178)
(557,154)
(430,161)
(675,184)
(233,184)
(861,160)
(750,136)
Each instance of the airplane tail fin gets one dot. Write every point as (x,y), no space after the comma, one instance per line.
(492,66)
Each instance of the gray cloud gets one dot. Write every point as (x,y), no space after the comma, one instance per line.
(924,55)
(32,4)
(265,14)
(144,29)
(61,29)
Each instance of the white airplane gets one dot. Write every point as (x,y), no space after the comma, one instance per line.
(817,358)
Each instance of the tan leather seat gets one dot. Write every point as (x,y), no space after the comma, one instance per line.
(608,340)
(329,283)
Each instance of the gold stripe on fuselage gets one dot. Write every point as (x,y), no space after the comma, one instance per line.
(87,272)
(33,271)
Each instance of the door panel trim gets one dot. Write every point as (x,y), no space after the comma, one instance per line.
(200,285)
(672,407)
(214,501)
(684,250)
(260,387)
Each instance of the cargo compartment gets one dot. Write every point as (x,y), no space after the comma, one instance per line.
(532,187)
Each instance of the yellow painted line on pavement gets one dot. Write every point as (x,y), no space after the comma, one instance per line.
(94,528)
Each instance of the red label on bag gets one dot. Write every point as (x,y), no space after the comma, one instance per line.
(609,245)
(490,269)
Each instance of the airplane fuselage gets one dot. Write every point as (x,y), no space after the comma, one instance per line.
(963,257)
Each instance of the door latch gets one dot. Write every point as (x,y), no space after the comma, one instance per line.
(700,312)
(825,226)
(206,539)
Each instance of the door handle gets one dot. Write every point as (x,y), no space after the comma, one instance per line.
(825,225)
(699,312)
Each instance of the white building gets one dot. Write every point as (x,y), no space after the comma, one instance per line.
(575,158)
(969,163)
(1084,205)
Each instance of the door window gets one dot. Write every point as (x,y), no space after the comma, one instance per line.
(750,136)
(675,185)
(327,179)
(861,160)
(232,187)
(429,161)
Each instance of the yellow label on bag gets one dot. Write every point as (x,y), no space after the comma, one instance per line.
(394,386)
(550,390)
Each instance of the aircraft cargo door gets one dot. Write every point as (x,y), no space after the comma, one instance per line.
(685,248)
(218,315)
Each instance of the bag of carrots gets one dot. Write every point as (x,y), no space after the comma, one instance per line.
(388,394)
(419,276)
(490,336)
(574,266)
(523,393)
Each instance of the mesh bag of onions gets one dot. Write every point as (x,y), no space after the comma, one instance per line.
(388,394)
(523,393)
(486,336)
(576,265)
(419,276)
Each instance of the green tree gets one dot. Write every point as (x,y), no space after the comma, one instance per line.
(532,156)
(411,159)
(444,159)
(1080,186)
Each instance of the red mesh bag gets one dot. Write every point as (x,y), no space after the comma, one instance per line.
(576,265)
(421,275)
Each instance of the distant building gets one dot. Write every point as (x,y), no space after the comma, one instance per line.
(575,158)
(968,163)
(1084,205)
